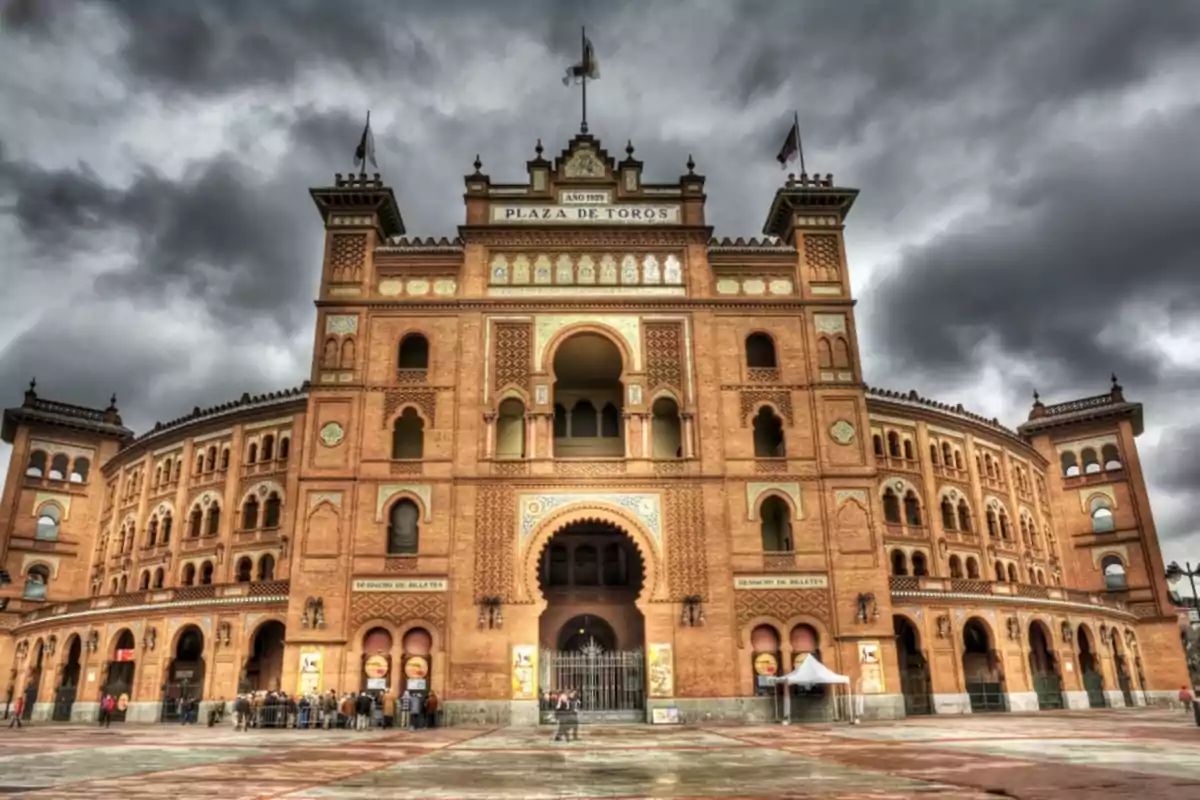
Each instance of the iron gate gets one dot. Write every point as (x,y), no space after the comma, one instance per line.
(986,697)
(914,683)
(172,699)
(64,699)
(1093,682)
(611,685)
(1049,690)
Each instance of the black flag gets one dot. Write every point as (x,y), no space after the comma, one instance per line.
(791,146)
(366,147)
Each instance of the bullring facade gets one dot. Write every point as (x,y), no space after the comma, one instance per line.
(584,445)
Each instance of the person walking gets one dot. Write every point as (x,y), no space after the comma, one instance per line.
(575,704)
(362,711)
(107,706)
(241,710)
(1185,698)
(562,710)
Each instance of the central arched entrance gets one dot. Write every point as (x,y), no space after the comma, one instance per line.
(185,676)
(1089,669)
(591,631)
(1043,664)
(914,668)
(982,669)
(64,695)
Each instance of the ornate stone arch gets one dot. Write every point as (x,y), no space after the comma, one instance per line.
(392,493)
(890,481)
(757,494)
(258,625)
(178,627)
(432,628)
(389,421)
(263,489)
(205,499)
(589,511)
(991,501)
(630,355)
(747,627)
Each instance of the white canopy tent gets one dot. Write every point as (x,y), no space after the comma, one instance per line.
(811,672)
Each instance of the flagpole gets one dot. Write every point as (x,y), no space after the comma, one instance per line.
(799,143)
(583,61)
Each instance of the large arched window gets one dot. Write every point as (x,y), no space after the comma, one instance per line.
(79,470)
(37,581)
(891,506)
(37,464)
(841,353)
(920,566)
(1091,463)
(408,435)
(776,525)
(159,577)
(760,352)
(1070,467)
(1114,573)
(214,520)
(413,353)
(899,563)
(268,448)
(964,516)
(1102,516)
(152,532)
(610,422)
(948,521)
(1013,577)
(206,573)
(972,568)
(250,513)
(403,533)
(195,523)
(49,519)
(59,466)
(1110,457)
(272,510)
(955,567)
(266,568)
(893,444)
(243,570)
(189,575)
(510,429)
(768,434)
(666,429)
(912,509)
(993,527)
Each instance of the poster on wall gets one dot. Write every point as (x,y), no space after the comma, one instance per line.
(524,672)
(766,667)
(416,673)
(662,671)
(311,659)
(376,667)
(870,666)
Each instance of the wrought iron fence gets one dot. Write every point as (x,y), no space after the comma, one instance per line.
(606,681)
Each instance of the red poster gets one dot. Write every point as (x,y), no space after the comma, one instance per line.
(123,655)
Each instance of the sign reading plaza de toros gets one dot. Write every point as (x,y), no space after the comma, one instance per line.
(587,214)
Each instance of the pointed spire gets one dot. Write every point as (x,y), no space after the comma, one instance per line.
(1118,393)
(112,401)
(1039,409)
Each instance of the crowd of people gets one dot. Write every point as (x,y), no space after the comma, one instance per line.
(328,710)
(566,706)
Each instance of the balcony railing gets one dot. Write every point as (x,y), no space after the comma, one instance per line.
(178,595)
(970,586)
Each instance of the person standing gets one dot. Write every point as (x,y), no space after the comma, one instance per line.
(431,708)
(416,711)
(562,711)
(1185,698)
(18,710)
(405,709)
(389,709)
(576,705)
(241,709)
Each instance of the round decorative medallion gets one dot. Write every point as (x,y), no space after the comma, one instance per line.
(842,432)
(332,434)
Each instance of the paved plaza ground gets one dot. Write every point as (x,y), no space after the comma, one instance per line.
(1142,754)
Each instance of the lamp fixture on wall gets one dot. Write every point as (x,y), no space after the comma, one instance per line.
(868,609)
(693,611)
(490,614)
(314,613)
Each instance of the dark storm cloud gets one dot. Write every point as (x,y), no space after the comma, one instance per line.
(1180,466)
(218,234)
(1045,271)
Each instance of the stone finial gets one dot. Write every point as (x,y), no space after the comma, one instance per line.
(691,165)
(629,147)
(31,393)
(537,149)
(478,164)
(1118,393)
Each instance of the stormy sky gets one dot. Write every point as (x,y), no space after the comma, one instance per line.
(1029,174)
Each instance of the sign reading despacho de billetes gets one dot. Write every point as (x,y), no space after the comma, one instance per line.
(586,214)
(399,585)
(780,582)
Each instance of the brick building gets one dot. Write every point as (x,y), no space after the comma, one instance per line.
(585,445)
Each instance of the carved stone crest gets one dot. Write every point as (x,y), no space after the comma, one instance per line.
(1014,629)
(943,626)
(332,434)
(842,432)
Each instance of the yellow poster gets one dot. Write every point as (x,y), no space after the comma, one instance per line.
(870,667)
(524,672)
(311,661)
(662,671)
(376,667)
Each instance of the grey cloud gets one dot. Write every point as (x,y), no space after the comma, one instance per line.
(1052,261)
(1178,454)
